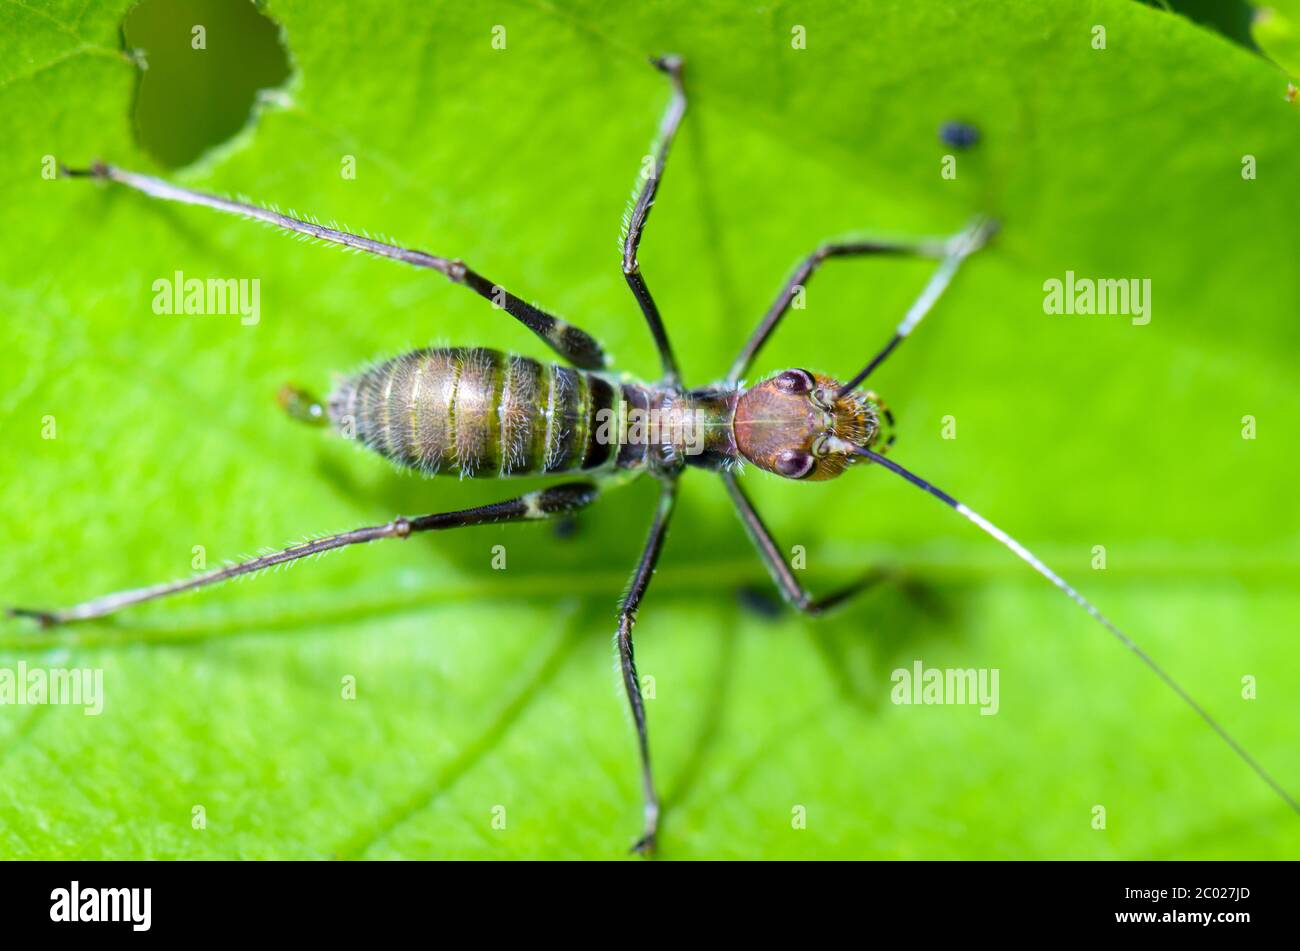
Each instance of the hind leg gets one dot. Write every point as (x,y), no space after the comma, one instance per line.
(543,504)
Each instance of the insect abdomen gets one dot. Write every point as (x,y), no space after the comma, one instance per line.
(476,413)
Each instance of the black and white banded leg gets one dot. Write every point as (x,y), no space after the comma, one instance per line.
(958,248)
(950,252)
(572,344)
(793,592)
(672,67)
(546,503)
(627,661)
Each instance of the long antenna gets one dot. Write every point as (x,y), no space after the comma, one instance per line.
(1029,558)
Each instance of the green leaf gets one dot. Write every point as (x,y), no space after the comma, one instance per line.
(1276,28)
(479,688)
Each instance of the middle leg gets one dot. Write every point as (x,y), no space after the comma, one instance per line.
(627,662)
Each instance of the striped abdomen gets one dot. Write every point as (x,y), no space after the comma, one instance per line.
(478,413)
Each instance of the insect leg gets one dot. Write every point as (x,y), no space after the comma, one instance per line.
(626,618)
(959,247)
(950,251)
(544,503)
(635,224)
(571,343)
(792,590)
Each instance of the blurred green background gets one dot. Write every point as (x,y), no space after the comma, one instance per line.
(479,688)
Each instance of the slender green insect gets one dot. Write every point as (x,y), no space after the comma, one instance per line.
(472,412)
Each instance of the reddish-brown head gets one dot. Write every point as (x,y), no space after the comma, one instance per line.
(794,425)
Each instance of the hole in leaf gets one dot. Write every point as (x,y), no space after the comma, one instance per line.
(204,62)
(1230,17)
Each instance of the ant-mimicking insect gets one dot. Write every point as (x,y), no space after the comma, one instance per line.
(481,413)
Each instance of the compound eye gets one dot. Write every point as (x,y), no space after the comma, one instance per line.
(795,381)
(794,463)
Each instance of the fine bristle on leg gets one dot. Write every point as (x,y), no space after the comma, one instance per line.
(671,66)
(543,504)
(572,344)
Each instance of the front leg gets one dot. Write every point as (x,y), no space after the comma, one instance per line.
(795,593)
(950,252)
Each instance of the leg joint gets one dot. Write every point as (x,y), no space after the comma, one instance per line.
(669,63)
